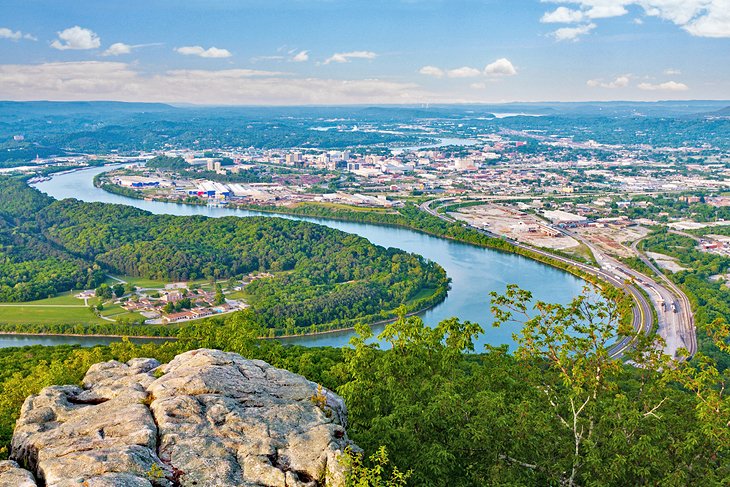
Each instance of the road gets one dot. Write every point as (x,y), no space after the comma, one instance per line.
(622,277)
(674,315)
(681,323)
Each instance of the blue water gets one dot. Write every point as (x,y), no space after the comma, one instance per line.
(474,271)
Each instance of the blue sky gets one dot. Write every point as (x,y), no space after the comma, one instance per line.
(374,51)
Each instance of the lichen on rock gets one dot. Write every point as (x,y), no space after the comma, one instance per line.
(208,418)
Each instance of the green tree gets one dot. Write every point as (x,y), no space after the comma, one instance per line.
(118,290)
(379,474)
(566,353)
(219,297)
(104,291)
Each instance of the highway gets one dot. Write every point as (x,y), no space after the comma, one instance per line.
(682,322)
(679,326)
(674,315)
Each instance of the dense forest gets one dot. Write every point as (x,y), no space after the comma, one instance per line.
(320,275)
(410,216)
(32,267)
(429,410)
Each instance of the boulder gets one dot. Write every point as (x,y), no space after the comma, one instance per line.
(12,475)
(208,418)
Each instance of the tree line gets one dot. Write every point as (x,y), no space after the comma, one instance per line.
(430,410)
(320,275)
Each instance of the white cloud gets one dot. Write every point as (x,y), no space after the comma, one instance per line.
(463,72)
(590,10)
(301,57)
(672,72)
(562,15)
(478,86)
(604,10)
(76,38)
(702,18)
(667,86)
(500,67)
(345,57)
(432,71)
(211,52)
(99,80)
(619,82)
(573,33)
(117,49)
(715,23)
(120,48)
(15,35)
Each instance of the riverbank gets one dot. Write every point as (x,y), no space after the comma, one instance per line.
(351,328)
(174,338)
(395,219)
(169,332)
(412,218)
(475,271)
(311,210)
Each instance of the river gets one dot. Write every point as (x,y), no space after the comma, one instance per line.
(474,271)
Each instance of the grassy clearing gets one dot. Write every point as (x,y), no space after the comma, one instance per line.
(423,293)
(112,310)
(581,251)
(64,299)
(64,308)
(47,315)
(235,295)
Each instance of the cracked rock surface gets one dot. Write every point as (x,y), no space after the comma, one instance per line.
(207,418)
(12,474)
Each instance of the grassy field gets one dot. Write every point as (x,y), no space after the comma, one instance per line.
(68,309)
(423,293)
(581,251)
(236,295)
(64,308)
(111,310)
(28,313)
(115,312)
(64,299)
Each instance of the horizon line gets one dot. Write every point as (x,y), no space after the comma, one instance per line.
(374,104)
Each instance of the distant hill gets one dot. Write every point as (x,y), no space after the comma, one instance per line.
(723,112)
(64,108)
(112,109)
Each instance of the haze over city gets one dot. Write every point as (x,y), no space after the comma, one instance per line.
(352,52)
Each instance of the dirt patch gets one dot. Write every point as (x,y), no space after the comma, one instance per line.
(515,224)
(613,239)
(666,262)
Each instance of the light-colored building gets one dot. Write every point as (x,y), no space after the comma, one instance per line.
(560,217)
(294,158)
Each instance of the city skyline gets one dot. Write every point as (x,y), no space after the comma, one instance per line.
(352,52)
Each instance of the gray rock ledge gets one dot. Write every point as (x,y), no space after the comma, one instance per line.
(207,418)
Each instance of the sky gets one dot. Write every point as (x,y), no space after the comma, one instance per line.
(324,52)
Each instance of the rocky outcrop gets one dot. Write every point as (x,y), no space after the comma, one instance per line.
(12,474)
(207,418)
